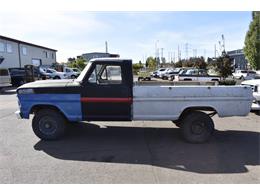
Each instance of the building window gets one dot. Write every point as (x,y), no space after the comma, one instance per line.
(9,48)
(45,54)
(24,51)
(52,55)
(2,47)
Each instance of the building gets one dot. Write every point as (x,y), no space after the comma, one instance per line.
(89,56)
(238,59)
(15,53)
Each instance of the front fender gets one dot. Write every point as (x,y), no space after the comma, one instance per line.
(68,104)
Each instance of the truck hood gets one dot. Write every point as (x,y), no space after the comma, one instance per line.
(50,83)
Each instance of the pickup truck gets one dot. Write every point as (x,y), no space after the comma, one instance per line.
(196,75)
(105,91)
(255,85)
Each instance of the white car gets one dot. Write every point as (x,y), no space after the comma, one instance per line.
(244,74)
(5,78)
(194,74)
(255,85)
(72,73)
(55,74)
(162,72)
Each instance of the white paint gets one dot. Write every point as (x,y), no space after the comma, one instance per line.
(168,102)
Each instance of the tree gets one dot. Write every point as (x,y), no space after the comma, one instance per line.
(194,62)
(252,41)
(137,67)
(222,65)
(79,63)
(150,63)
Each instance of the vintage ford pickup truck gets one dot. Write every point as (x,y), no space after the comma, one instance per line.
(105,91)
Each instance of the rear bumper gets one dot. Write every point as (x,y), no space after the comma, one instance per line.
(18,114)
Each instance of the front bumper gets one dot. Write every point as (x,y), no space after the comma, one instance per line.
(18,114)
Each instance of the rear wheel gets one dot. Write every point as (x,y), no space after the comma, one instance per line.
(73,76)
(197,127)
(48,124)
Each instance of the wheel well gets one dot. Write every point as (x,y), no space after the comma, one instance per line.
(36,108)
(186,111)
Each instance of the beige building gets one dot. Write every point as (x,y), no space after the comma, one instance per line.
(15,53)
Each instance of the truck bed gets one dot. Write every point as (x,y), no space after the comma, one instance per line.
(167,102)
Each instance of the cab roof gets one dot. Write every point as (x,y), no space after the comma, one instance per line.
(109,59)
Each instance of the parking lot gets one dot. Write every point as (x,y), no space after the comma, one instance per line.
(127,152)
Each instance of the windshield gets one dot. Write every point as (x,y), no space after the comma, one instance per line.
(84,72)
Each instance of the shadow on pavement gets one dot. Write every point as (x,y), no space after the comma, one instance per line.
(227,152)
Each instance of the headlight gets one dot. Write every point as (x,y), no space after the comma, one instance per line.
(25,91)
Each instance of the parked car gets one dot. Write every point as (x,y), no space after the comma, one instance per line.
(163,72)
(55,74)
(18,76)
(158,72)
(5,78)
(98,96)
(195,74)
(255,85)
(71,73)
(170,75)
(244,74)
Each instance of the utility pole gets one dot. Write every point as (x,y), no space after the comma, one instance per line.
(223,41)
(106,47)
(194,53)
(215,51)
(205,54)
(187,50)
(179,53)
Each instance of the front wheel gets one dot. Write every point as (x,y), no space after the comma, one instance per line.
(48,124)
(197,127)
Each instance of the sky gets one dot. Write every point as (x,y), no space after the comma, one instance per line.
(133,35)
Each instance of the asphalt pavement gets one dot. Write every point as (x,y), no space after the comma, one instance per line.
(127,152)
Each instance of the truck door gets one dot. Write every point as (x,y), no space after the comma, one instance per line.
(107,92)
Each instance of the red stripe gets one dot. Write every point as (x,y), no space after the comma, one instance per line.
(105,100)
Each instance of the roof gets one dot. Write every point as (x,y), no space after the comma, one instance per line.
(108,59)
(26,43)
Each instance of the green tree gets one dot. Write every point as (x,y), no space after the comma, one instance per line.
(150,63)
(221,65)
(137,67)
(252,42)
(79,63)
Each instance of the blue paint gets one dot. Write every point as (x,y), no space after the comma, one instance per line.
(68,104)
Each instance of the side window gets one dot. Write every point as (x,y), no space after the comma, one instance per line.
(106,74)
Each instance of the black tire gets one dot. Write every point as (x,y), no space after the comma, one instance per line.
(56,77)
(73,76)
(140,79)
(197,127)
(48,124)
